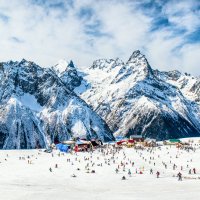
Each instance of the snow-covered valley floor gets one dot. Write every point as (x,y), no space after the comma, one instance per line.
(20,180)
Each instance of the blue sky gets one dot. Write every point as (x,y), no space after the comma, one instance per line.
(44,31)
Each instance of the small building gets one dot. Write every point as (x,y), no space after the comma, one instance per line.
(82,145)
(121,142)
(137,138)
(96,143)
(174,141)
(62,147)
(120,138)
(70,143)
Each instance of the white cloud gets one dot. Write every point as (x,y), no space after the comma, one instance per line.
(116,28)
(183,14)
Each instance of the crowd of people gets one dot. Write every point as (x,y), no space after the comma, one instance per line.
(149,161)
(125,162)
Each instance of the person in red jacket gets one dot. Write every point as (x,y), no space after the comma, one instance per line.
(76,148)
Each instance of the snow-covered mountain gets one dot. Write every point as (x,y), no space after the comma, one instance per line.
(41,105)
(38,106)
(135,99)
(189,85)
(67,72)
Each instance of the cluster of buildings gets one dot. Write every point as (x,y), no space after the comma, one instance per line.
(134,141)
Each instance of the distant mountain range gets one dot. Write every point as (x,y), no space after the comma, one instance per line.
(39,106)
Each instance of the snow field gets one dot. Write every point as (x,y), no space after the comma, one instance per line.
(20,180)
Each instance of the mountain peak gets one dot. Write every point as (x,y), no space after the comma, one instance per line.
(71,64)
(63,65)
(25,63)
(137,63)
(106,64)
(23,60)
(136,55)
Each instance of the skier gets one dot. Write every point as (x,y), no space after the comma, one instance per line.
(129,172)
(179,176)
(123,178)
(157,174)
(50,169)
(151,171)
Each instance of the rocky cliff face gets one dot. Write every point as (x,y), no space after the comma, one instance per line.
(67,72)
(187,84)
(38,106)
(135,99)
